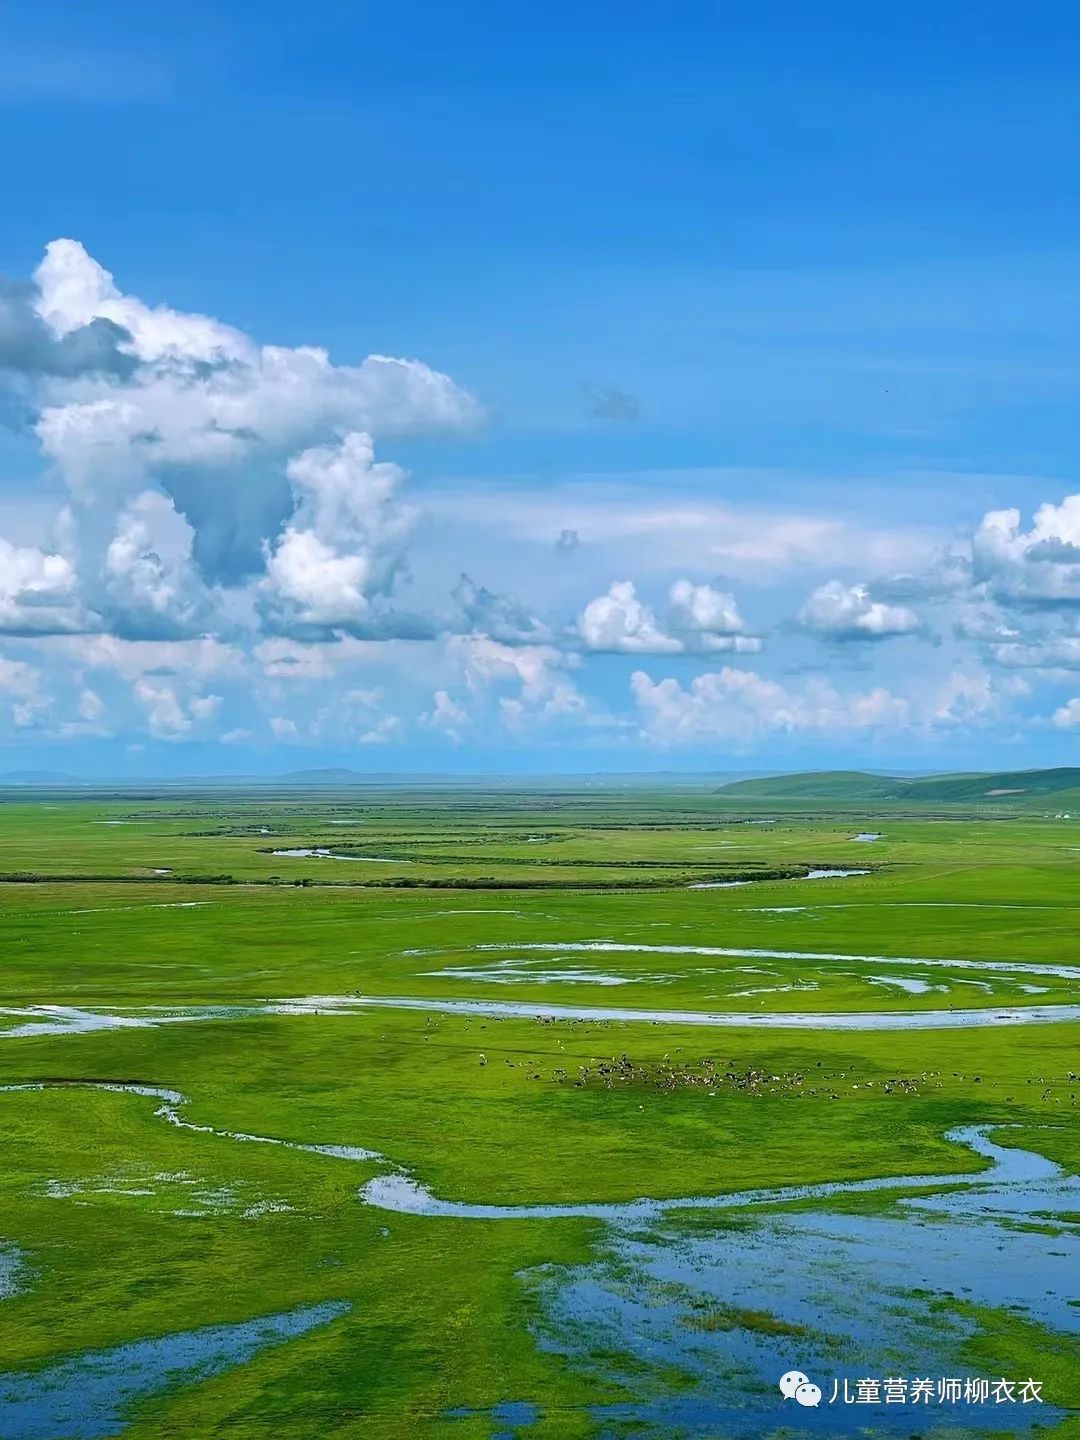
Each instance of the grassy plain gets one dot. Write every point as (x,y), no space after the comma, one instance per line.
(130,1227)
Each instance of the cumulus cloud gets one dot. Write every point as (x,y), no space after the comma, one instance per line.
(37,591)
(21,688)
(89,718)
(29,348)
(541,688)
(382,732)
(194,660)
(947,576)
(202,392)
(446,715)
(708,619)
(129,398)
(358,716)
(1051,652)
(344,544)
(842,612)
(18,677)
(699,619)
(168,716)
(230,524)
(1038,566)
(498,616)
(978,618)
(620,623)
(970,696)
(151,588)
(1021,605)
(742,706)
(1067,716)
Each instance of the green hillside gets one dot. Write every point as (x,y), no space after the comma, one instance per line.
(814,785)
(998,785)
(1022,788)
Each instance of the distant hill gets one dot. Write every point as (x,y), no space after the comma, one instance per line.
(997,785)
(323,777)
(38,777)
(1002,787)
(814,785)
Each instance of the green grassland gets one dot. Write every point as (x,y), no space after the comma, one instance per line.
(130,1227)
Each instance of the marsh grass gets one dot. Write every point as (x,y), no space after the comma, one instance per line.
(445,1314)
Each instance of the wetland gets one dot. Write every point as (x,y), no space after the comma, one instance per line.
(282,1156)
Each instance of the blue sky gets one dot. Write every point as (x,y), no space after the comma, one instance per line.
(741,334)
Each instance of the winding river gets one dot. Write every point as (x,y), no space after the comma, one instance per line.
(75,1020)
(401,1193)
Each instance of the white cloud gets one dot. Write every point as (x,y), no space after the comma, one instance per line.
(1036,566)
(345,541)
(699,619)
(204,707)
(91,706)
(846,612)
(386,729)
(1051,652)
(543,691)
(37,590)
(970,696)
(20,682)
(323,587)
(167,715)
(742,706)
(89,718)
(499,616)
(172,431)
(194,659)
(619,622)
(358,716)
(203,393)
(978,618)
(164,713)
(1067,716)
(25,713)
(708,619)
(227,524)
(148,574)
(18,678)
(446,715)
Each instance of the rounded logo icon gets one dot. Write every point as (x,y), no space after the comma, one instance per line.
(790,1382)
(808,1394)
